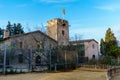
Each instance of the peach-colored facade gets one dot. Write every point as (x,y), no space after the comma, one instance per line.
(90,48)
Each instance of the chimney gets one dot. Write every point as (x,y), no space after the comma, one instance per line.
(6,33)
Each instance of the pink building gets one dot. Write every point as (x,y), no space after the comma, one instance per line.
(89,48)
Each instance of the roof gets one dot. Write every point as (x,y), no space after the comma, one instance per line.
(82,41)
(19,35)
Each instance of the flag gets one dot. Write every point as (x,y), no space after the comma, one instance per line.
(63,11)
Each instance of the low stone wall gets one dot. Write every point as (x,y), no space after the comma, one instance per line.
(112,72)
(95,66)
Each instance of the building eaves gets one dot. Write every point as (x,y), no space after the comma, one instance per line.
(19,35)
(82,41)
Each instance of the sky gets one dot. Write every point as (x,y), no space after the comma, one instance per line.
(89,19)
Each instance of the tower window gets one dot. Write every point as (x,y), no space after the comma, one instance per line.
(63,32)
(63,24)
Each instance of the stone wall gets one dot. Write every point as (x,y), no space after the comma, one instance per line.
(58,29)
(31,40)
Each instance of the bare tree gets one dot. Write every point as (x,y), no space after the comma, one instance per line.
(76,37)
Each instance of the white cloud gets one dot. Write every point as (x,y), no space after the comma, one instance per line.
(110,7)
(56,1)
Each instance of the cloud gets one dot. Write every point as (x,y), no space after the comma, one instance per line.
(110,7)
(56,1)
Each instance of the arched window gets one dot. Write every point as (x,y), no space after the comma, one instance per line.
(38,60)
(20,58)
(93,56)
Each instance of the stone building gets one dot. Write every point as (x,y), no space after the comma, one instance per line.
(88,48)
(57,35)
(35,39)
(26,50)
(58,29)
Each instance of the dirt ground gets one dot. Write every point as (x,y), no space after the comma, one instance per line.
(73,75)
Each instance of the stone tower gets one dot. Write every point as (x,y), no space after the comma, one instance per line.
(58,29)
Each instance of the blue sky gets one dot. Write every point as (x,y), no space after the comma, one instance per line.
(87,18)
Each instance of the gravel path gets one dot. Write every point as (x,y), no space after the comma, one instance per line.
(75,75)
(27,76)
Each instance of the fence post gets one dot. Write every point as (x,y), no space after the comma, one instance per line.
(55,67)
(65,60)
(50,59)
(31,65)
(4,61)
(76,59)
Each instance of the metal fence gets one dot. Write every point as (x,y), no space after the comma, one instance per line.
(27,60)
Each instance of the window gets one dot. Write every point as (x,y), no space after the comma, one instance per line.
(38,46)
(93,46)
(63,24)
(20,58)
(63,32)
(93,56)
(21,44)
(38,60)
